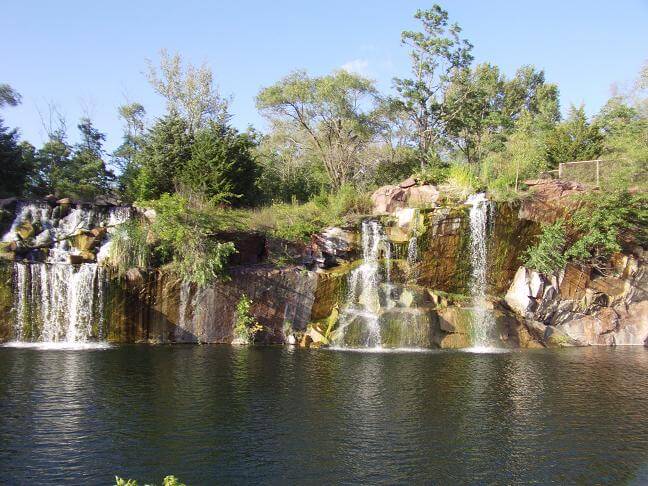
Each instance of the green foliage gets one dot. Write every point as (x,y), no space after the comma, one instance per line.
(297,222)
(326,118)
(167,481)
(599,228)
(547,255)
(432,174)
(222,166)
(436,52)
(186,233)
(128,247)
(605,221)
(14,168)
(166,150)
(574,139)
(246,326)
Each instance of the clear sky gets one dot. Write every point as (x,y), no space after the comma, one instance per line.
(89,57)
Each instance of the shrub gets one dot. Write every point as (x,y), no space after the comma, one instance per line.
(185,230)
(433,174)
(547,255)
(246,327)
(128,247)
(167,481)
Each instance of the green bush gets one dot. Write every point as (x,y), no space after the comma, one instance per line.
(547,256)
(432,174)
(128,247)
(185,231)
(246,327)
(167,481)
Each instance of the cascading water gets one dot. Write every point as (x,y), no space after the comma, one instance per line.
(363,301)
(55,301)
(483,322)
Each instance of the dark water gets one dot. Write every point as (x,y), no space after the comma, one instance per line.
(271,415)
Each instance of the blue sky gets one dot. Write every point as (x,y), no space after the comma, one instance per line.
(89,57)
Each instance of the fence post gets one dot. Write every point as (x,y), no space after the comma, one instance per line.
(597,173)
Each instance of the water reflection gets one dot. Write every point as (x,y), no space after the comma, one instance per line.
(271,415)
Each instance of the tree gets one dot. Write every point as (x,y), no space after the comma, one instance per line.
(488,107)
(14,172)
(189,91)
(328,117)
(574,139)
(9,96)
(166,148)
(85,175)
(436,53)
(125,155)
(14,169)
(222,166)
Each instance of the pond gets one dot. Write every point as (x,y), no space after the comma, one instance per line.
(279,415)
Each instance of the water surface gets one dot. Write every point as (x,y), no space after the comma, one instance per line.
(279,415)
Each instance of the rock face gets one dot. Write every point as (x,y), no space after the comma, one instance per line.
(589,310)
(161,309)
(388,199)
(550,199)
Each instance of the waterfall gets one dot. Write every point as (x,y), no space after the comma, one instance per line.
(412,257)
(483,324)
(366,289)
(57,302)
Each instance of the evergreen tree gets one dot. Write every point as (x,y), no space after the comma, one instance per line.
(165,151)
(14,172)
(222,166)
(574,139)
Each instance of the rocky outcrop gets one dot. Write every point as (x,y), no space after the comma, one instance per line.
(550,199)
(589,309)
(388,199)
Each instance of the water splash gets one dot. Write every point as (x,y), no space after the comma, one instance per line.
(59,302)
(366,288)
(483,322)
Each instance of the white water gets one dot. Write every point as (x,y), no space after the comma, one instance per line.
(483,322)
(412,257)
(363,300)
(58,303)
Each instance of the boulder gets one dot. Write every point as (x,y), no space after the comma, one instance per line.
(526,287)
(426,195)
(409,182)
(25,230)
(575,281)
(50,199)
(387,199)
(8,204)
(550,199)
(557,338)
(65,201)
(85,240)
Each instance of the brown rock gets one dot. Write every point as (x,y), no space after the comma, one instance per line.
(575,281)
(422,195)
(387,199)
(550,199)
(64,201)
(409,182)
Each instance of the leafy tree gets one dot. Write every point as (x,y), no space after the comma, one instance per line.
(327,116)
(189,91)
(547,255)
(166,149)
(574,139)
(222,166)
(436,53)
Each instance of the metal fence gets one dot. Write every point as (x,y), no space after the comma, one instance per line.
(588,172)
